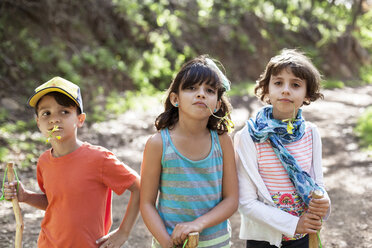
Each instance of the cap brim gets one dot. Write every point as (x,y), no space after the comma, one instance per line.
(36,97)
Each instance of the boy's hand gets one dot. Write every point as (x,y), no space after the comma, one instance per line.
(10,191)
(319,206)
(112,240)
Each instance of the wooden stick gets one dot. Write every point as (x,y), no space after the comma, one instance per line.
(193,240)
(17,211)
(313,237)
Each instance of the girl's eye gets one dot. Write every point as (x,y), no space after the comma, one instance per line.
(46,113)
(212,91)
(65,112)
(190,88)
(277,83)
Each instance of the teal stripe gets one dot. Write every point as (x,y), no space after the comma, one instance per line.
(177,163)
(194,177)
(189,205)
(190,191)
(191,170)
(188,184)
(195,212)
(190,198)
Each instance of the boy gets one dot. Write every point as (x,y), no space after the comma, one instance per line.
(75,177)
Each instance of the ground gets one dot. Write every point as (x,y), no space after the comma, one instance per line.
(347,169)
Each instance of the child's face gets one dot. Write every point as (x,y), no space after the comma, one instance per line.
(196,99)
(286,91)
(51,114)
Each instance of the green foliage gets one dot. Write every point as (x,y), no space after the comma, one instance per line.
(4,154)
(118,103)
(3,115)
(332,84)
(19,126)
(364,128)
(366,74)
(19,140)
(241,89)
(364,31)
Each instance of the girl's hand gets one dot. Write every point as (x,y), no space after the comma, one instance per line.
(181,230)
(10,191)
(112,240)
(309,223)
(319,206)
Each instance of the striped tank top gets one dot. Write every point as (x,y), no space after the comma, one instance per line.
(189,189)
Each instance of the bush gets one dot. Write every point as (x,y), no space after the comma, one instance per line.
(332,84)
(364,128)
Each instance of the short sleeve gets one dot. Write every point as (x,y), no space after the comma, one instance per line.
(116,175)
(39,174)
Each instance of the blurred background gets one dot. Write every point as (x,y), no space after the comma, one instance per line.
(124,53)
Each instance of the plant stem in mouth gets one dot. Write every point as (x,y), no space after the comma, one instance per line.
(290,121)
(229,123)
(50,133)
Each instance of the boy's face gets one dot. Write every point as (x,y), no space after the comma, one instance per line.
(286,92)
(51,114)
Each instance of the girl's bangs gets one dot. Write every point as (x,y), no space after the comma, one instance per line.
(297,70)
(199,75)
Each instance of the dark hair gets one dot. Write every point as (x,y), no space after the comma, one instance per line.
(61,99)
(196,71)
(300,65)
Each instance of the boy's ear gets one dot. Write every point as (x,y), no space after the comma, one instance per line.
(173,97)
(37,121)
(81,119)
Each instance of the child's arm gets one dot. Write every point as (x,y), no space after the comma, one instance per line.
(150,176)
(120,235)
(226,207)
(322,206)
(37,200)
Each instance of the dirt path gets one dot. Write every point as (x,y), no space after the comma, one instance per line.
(347,170)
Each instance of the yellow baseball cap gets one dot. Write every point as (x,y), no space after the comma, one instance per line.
(57,84)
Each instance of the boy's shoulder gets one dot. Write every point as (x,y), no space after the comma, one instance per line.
(95,148)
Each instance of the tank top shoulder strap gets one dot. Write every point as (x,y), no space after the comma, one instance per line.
(216,143)
(167,148)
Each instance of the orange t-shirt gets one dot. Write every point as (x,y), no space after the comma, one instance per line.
(78,188)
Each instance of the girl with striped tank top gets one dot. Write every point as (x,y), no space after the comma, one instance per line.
(278,156)
(188,174)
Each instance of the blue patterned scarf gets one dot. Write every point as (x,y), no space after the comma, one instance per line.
(266,127)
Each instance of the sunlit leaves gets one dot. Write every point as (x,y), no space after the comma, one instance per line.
(364,128)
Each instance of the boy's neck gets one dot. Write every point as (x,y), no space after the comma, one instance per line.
(60,149)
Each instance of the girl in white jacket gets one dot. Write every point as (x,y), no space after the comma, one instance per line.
(278,156)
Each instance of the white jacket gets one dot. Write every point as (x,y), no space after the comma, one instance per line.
(260,218)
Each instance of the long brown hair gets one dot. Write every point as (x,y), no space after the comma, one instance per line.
(196,71)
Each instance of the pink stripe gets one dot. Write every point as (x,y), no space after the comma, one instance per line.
(272,171)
